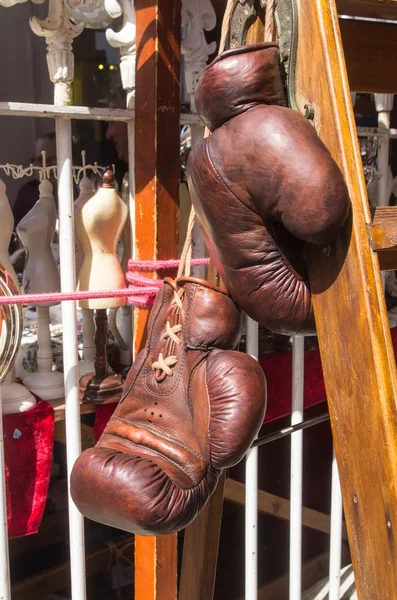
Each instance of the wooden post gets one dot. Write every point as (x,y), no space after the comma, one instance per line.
(352,325)
(200,549)
(157,175)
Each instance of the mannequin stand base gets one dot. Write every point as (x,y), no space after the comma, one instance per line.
(16,398)
(48,386)
(101,390)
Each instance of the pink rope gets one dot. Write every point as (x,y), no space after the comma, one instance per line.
(141,293)
(157,265)
(62,296)
(145,282)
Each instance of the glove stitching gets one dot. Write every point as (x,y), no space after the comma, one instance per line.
(155,453)
(148,348)
(223,182)
(163,436)
(265,224)
(194,368)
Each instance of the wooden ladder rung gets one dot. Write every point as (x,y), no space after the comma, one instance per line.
(383,229)
(383,236)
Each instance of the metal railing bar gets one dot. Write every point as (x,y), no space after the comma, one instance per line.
(49,111)
(251,491)
(335,553)
(70,351)
(5,589)
(277,435)
(295,566)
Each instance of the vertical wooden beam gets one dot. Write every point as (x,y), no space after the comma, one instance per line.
(200,549)
(352,325)
(157,174)
(157,137)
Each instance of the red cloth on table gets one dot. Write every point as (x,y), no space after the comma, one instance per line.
(28,444)
(278,371)
(102,415)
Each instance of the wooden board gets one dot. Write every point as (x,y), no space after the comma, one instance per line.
(312,571)
(270,504)
(371,55)
(200,550)
(157,174)
(377,9)
(353,331)
(59,408)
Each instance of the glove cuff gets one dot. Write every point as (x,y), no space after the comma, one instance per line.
(238,80)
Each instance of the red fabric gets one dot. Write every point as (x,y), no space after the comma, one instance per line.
(102,415)
(278,371)
(28,444)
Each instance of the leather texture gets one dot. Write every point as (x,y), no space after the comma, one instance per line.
(162,452)
(263,185)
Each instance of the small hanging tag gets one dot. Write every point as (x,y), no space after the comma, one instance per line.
(17,434)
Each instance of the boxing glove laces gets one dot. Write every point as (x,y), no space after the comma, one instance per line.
(192,406)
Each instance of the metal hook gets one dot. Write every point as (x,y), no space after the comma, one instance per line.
(43,172)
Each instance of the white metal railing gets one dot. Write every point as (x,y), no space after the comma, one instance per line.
(70,350)
(5,587)
(295,543)
(251,489)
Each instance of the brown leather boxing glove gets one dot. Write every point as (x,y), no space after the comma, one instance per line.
(192,407)
(262,185)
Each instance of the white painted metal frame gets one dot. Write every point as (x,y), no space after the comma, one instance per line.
(295,555)
(70,349)
(251,489)
(5,587)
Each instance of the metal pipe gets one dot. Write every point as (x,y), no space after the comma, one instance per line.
(295,566)
(49,111)
(384,105)
(336,534)
(281,433)
(198,245)
(5,589)
(251,491)
(70,349)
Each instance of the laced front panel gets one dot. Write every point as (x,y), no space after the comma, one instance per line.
(164,364)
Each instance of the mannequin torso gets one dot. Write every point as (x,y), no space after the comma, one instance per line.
(99,225)
(36,231)
(6,229)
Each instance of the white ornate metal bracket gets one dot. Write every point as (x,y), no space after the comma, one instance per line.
(8,3)
(197,16)
(59,33)
(124,40)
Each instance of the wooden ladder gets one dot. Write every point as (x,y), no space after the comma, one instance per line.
(353,334)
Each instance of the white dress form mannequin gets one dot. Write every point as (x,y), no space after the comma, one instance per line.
(15,397)
(36,231)
(87,364)
(99,225)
